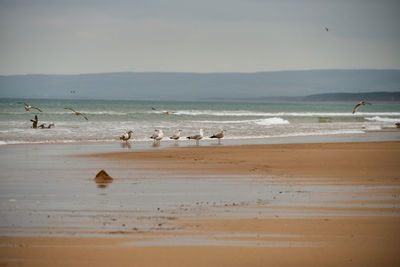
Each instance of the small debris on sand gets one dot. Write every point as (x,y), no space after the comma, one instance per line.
(103,177)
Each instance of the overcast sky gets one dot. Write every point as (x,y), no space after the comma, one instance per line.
(88,36)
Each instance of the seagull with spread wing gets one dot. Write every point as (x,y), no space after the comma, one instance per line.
(29,107)
(77,113)
(362,103)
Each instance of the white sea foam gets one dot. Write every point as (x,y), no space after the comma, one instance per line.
(380,119)
(244,113)
(271,121)
(267,121)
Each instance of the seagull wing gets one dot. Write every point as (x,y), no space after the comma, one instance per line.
(356,107)
(84,115)
(73,110)
(37,109)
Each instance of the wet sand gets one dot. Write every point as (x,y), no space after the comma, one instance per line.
(356,162)
(331,205)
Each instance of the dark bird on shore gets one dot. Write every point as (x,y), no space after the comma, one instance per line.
(197,137)
(219,135)
(177,135)
(362,103)
(29,107)
(35,122)
(126,136)
(43,126)
(77,113)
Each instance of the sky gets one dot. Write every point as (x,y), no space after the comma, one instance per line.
(88,36)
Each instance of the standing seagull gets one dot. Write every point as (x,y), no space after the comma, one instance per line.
(126,136)
(176,136)
(362,103)
(77,113)
(157,135)
(29,107)
(197,137)
(218,135)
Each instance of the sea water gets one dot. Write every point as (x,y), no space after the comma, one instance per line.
(107,120)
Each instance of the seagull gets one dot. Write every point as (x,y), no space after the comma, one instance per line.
(43,126)
(166,112)
(176,136)
(197,137)
(326,29)
(397,124)
(29,107)
(218,135)
(35,122)
(77,113)
(362,103)
(157,135)
(154,134)
(126,136)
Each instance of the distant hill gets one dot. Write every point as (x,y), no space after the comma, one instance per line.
(374,96)
(195,86)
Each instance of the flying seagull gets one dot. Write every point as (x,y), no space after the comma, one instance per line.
(197,137)
(362,103)
(77,113)
(218,135)
(29,107)
(176,136)
(126,136)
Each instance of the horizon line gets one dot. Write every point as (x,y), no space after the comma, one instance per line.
(201,73)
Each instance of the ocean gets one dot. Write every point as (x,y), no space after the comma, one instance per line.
(107,120)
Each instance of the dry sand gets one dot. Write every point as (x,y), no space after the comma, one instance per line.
(320,240)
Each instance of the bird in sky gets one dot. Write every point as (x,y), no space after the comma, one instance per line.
(77,113)
(362,103)
(29,107)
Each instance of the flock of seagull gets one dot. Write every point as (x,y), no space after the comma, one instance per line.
(158,135)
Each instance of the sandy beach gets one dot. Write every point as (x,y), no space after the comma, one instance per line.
(326,204)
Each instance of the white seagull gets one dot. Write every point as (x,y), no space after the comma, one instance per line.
(362,103)
(126,136)
(29,107)
(197,137)
(157,135)
(176,136)
(77,113)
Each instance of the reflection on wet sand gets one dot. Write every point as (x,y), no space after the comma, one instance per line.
(126,145)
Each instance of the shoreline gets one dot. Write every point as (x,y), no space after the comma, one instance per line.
(390,134)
